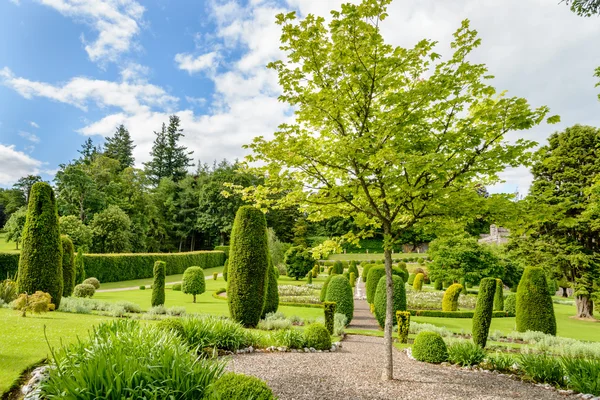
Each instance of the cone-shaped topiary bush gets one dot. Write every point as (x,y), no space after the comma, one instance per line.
(352,268)
(375,273)
(40,263)
(158,285)
(438,285)
(340,292)
(510,304)
(248,266)
(338,267)
(193,281)
(79,267)
(68,265)
(535,311)
(483,311)
(499,296)
(418,282)
(450,299)
(272,296)
(430,347)
(381,298)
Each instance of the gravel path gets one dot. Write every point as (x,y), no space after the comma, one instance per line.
(362,318)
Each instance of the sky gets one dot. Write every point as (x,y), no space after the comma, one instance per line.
(72,69)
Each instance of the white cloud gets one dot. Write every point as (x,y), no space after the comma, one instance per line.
(16,2)
(196,101)
(116,21)
(29,136)
(16,164)
(33,124)
(191,64)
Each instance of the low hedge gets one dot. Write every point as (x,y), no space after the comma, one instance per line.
(453,314)
(224,249)
(216,293)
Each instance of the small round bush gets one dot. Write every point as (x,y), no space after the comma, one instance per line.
(375,274)
(510,304)
(193,281)
(299,261)
(92,281)
(418,282)
(142,287)
(340,292)
(84,290)
(450,300)
(232,386)
(535,311)
(176,287)
(381,298)
(317,337)
(430,347)
(172,324)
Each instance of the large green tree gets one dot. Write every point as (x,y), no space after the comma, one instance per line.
(389,136)
(14,226)
(25,183)
(120,147)
(585,8)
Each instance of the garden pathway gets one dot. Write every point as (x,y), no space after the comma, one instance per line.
(362,318)
(147,286)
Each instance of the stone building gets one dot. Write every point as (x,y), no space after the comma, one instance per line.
(497,235)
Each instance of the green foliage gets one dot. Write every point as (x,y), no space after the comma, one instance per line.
(210,331)
(8,290)
(411,279)
(298,262)
(309,277)
(465,354)
(111,231)
(329,310)
(418,282)
(323,293)
(172,324)
(452,314)
(582,375)
(40,264)
(225,270)
(366,268)
(14,226)
(158,285)
(500,362)
(233,386)
(373,278)
(120,147)
(380,299)
(510,304)
(9,264)
(176,287)
(339,291)
(352,268)
(315,271)
(352,279)
(535,311)
(248,266)
(79,267)
(483,311)
(499,296)
(438,285)
(84,290)
(124,267)
(224,249)
(542,368)
(92,281)
(401,272)
(429,347)
(68,265)
(272,294)
(450,299)
(193,282)
(338,268)
(403,322)
(464,285)
(317,337)
(78,232)
(37,303)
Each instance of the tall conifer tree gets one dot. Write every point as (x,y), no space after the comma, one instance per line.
(120,147)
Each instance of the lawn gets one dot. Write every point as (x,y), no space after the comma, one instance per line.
(6,246)
(170,279)
(22,340)
(371,256)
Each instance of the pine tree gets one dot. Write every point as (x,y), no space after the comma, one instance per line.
(88,151)
(120,147)
(155,168)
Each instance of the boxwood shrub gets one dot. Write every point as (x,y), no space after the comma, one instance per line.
(499,296)
(272,295)
(399,303)
(430,347)
(84,290)
(352,268)
(365,273)
(535,311)
(317,337)
(510,304)
(232,386)
(158,285)
(340,292)
(338,267)
(418,281)
(375,273)
(483,311)
(450,299)
(193,282)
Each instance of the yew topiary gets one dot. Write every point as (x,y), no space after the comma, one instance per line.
(403,321)
(499,296)
(353,268)
(438,285)
(272,296)
(340,292)
(298,262)
(323,293)
(338,267)
(193,282)
(248,266)
(79,267)
(68,265)
(411,279)
(317,337)
(483,311)
(510,304)
(225,270)
(380,301)
(450,299)
(418,282)
(430,347)
(40,263)
(158,285)
(365,273)
(375,273)
(535,311)
(329,310)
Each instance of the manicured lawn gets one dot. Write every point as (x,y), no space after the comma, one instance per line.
(6,246)
(286,280)
(170,279)
(22,339)
(371,256)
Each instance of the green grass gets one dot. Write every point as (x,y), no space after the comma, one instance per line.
(22,340)
(371,256)
(6,246)
(170,279)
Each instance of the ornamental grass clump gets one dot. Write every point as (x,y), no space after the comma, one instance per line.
(214,332)
(380,300)
(542,368)
(500,362)
(465,353)
(483,311)
(340,292)
(582,375)
(430,347)
(451,296)
(534,310)
(232,386)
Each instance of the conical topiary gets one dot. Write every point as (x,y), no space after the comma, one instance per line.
(535,311)
(68,265)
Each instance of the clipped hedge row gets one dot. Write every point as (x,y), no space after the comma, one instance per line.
(9,265)
(224,249)
(453,314)
(123,267)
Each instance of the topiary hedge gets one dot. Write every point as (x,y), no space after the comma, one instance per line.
(340,292)
(430,347)
(329,310)
(411,279)
(158,285)
(375,273)
(353,268)
(403,321)
(224,249)
(193,282)
(123,267)
(323,293)
(534,310)
(365,273)
(499,296)
(380,301)
(438,285)
(68,265)
(418,281)
(40,264)
(248,266)
(232,386)
(272,295)
(510,304)
(317,337)
(450,299)
(79,267)
(338,268)
(483,311)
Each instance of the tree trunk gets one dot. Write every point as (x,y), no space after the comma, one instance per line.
(180,244)
(222,238)
(585,306)
(565,292)
(388,372)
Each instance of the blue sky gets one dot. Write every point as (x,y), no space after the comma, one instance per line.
(70,69)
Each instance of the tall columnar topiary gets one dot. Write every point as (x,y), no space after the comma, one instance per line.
(158,285)
(483,311)
(411,279)
(403,321)
(79,267)
(315,271)
(438,285)
(375,274)
(535,311)
(352,279)
(68,265)
(225,270)
(248,266)
(193,282)
(450,299)
(418,282)
(272,296)
(338,267)
(352,268)
(40,264)
(340,292)
(323,293)
(381,299)
(329,309)
(499,296)
(309,276)
(365,273)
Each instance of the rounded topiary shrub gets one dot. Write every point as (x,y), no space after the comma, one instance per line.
(40,262)
(298,262)
(535,311)
(381,298)
(438,285)
(340,292)
(482,318)
(176,287)
(402,273)
(365,273)
(510,304)
(338,267)
(92,281)
(248,266)
(232,386)
(84,290)
(79,267)
(317,337)
(172,324)
(499,296)
(225,270)
(193,282)
(450,299)
(158,285)
(272,296)
(375,273)
(418,282)
(429,347)
(68,265)
(353,268)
